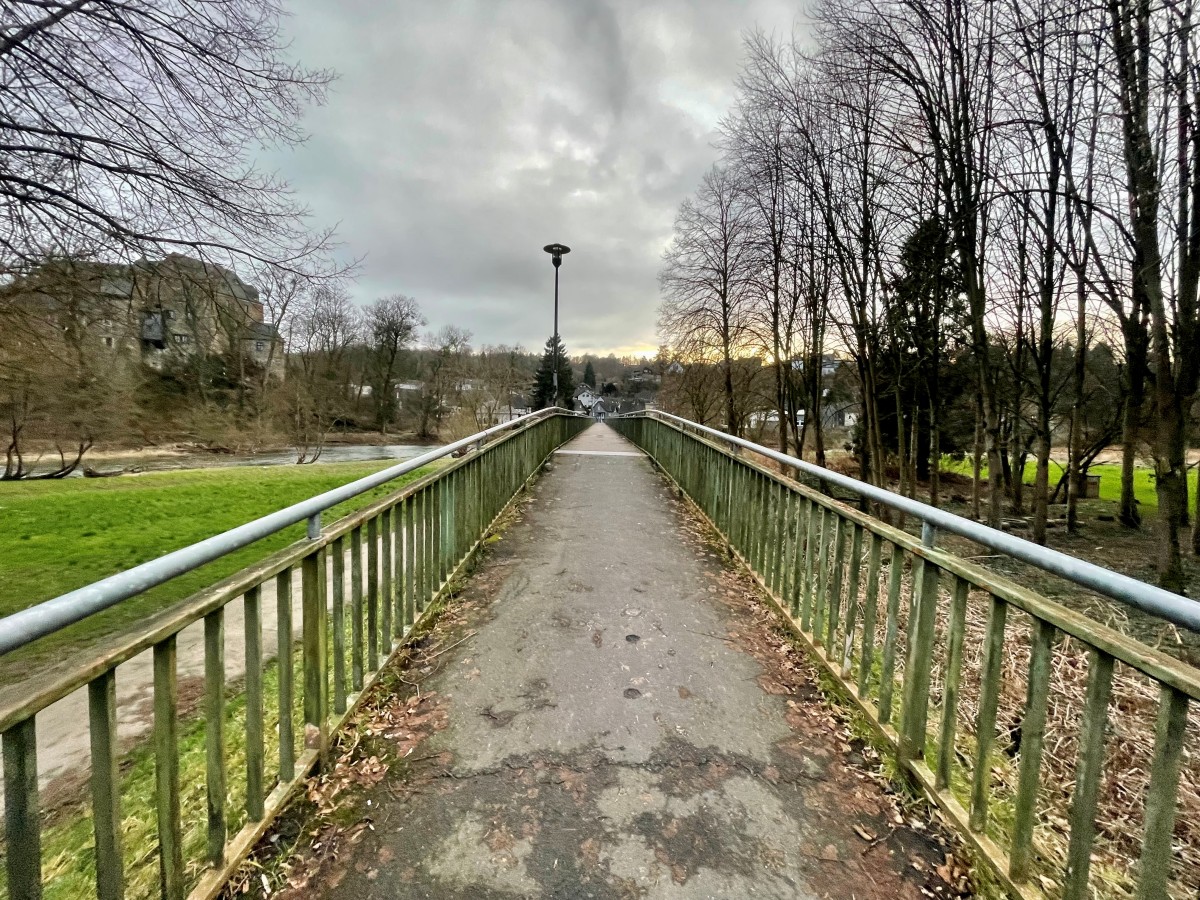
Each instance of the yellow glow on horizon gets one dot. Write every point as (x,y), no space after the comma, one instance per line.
(643,350)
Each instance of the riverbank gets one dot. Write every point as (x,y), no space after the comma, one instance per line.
(56,536)
(108,460)
(346,439)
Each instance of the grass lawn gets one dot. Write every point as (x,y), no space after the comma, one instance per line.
(56,536)
(1110,481)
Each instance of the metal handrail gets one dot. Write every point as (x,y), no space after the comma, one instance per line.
(28,625)
(1174,608)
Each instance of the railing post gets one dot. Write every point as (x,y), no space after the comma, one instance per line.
(928,535)
(166,771)
(22,826)
(338,558)
(914,703)
(314,526)
(106,787)
(254,705)
(283,639)
(214,733)
(316,736)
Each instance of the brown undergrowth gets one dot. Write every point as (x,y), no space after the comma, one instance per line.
(1128,758)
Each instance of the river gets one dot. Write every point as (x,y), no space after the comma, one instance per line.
(168,460)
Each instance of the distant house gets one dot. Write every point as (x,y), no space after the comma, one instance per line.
(833,415)
(647,399)
(840,415)
(675,368)
(585,396)
(517,406)
(829,364)
(408,392)
(644,375)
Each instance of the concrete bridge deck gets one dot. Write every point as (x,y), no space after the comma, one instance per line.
(619,720)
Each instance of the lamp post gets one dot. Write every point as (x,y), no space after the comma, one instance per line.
(556,252)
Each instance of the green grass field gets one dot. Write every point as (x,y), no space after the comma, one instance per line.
(1110,481)
(56,536)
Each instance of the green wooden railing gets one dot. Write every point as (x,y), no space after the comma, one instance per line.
(892,620)
(400,554)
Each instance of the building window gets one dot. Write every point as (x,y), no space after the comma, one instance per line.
(108,342)
(260,346)
(169,313)
(183,338)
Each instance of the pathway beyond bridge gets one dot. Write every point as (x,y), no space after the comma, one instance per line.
(623,721)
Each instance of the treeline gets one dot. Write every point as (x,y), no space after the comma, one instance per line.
(76,371)
(992,211)
(373,367)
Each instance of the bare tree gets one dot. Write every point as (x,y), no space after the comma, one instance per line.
(1155,68)
(755,143)
(502,372)
(705,310)
(390,325)
(446,371)
(320,333)
(127,126)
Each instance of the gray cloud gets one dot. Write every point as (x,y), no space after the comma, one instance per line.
(462,136)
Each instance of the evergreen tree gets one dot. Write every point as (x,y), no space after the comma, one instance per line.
(543,383)
(589,375)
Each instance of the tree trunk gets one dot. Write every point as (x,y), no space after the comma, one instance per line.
(1171,486)
(912,451)
(1041,480)
(977,463)
(1075,450)
(935,456)
(1016,462)
(901,444)
(730,413)
(1196,524)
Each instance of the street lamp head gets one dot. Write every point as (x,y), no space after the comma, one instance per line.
(557,251)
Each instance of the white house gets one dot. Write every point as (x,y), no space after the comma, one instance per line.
(585,396)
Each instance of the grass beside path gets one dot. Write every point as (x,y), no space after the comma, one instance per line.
(1110,481)
(56,536)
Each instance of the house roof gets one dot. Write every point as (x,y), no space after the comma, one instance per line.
(261,331)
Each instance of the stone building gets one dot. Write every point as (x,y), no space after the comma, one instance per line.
(159,311)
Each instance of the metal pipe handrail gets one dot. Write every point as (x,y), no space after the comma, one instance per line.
(1174,608)
(28,625)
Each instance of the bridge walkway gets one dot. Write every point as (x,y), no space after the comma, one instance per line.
(607,712)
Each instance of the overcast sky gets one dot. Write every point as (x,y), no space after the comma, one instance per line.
(463,136)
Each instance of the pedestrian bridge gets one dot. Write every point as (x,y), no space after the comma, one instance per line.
(634,659)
